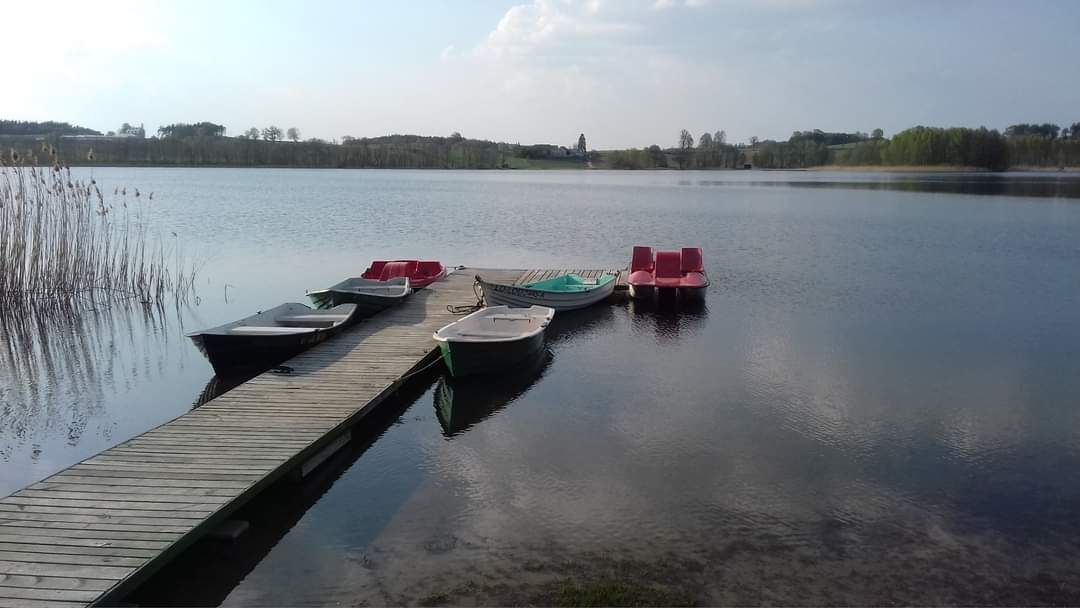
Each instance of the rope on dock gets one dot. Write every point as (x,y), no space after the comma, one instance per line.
(469,308)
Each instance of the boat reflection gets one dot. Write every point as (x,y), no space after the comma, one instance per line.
(668,317)
(219,385)
(461,403)
(571,325)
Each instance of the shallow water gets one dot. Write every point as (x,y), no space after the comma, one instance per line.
(875,404)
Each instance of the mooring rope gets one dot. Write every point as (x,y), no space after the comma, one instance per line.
(437,361)
(469,308)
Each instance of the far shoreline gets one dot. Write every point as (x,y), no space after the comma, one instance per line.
(815,169)
(937,169)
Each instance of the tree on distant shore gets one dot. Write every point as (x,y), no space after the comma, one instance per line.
(581,147)
(252,133)
(659,159)
(720,138)
(705,142)
(686,148)
(753,140)
(271,133)
(199,129)
(877,134)
(29,127)
(293,133)
(1047,130)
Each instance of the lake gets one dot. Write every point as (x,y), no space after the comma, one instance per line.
(878,402)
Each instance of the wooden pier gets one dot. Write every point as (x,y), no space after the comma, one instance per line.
(92,532)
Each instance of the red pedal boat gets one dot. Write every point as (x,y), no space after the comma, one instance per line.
(681,270)
(420,273)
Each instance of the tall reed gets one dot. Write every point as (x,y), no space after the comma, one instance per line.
(61,237)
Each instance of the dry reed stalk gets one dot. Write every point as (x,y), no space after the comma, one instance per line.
(60,238)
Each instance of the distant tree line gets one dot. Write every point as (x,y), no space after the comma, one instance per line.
(205,143)
(426,152)
(199,129)
(29,127)
(1020,145)
(711,152)
(392,152)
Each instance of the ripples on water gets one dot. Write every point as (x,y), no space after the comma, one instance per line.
(874,405)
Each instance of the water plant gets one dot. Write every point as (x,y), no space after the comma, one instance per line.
(61,237)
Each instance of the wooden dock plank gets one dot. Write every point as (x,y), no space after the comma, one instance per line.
(39,596)
(95,530)
(10,548)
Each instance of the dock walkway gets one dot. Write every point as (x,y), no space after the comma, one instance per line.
(92,532)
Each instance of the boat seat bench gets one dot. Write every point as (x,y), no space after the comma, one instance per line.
(479,333)
(270,330)
(309,318)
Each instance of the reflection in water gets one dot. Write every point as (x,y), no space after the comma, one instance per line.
(1049,185)
(573,325)
(62,363)
(218,386)
(75,347)
(877,408)
(217,566)
(463,402)
(668,317)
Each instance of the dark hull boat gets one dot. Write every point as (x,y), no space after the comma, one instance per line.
(368,295)
(461,403)
(493,338)
(263,340)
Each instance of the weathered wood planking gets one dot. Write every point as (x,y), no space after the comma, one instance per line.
(95,530)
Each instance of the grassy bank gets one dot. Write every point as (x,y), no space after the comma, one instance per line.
(518,162)
(899,168)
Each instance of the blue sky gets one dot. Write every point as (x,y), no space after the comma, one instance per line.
(625,72)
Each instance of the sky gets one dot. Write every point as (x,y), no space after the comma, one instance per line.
(627,73)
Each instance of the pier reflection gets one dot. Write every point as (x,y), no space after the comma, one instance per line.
(219,565)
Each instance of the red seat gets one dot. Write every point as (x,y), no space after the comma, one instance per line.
(642,259)
(640,278)
(429,268)
(375,270)
(668,271)
(694,280)
(691,260)
(393,270)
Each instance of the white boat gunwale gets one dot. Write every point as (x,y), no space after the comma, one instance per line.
(496,293)
(542,313)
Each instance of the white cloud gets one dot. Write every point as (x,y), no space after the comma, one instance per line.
(526,28)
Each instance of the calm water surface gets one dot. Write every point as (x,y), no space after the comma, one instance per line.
(877,403)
